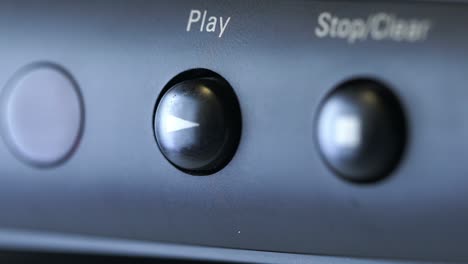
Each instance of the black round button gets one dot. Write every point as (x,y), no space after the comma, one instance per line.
(361,130)
(197,124)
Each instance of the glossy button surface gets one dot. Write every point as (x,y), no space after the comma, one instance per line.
(42,115)
(361,130)
(197,125)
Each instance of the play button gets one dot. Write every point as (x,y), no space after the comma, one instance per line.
(197,125)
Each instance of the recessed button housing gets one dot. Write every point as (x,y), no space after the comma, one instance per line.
(197,123)
(361,130)
(42,115)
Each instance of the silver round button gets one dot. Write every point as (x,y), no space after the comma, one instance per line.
(42,115)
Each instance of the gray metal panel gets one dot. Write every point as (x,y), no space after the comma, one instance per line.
(276,194)
(40,242)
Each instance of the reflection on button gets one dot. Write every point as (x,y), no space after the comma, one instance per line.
(42,115)
(347,131)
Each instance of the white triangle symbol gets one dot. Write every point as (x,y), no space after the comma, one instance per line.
(174,123)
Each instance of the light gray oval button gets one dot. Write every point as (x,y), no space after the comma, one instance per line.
(42,115)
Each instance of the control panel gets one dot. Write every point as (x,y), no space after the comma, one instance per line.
(312,127)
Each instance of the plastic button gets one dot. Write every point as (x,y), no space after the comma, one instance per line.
(197,125)
(42,115)
(361,130)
